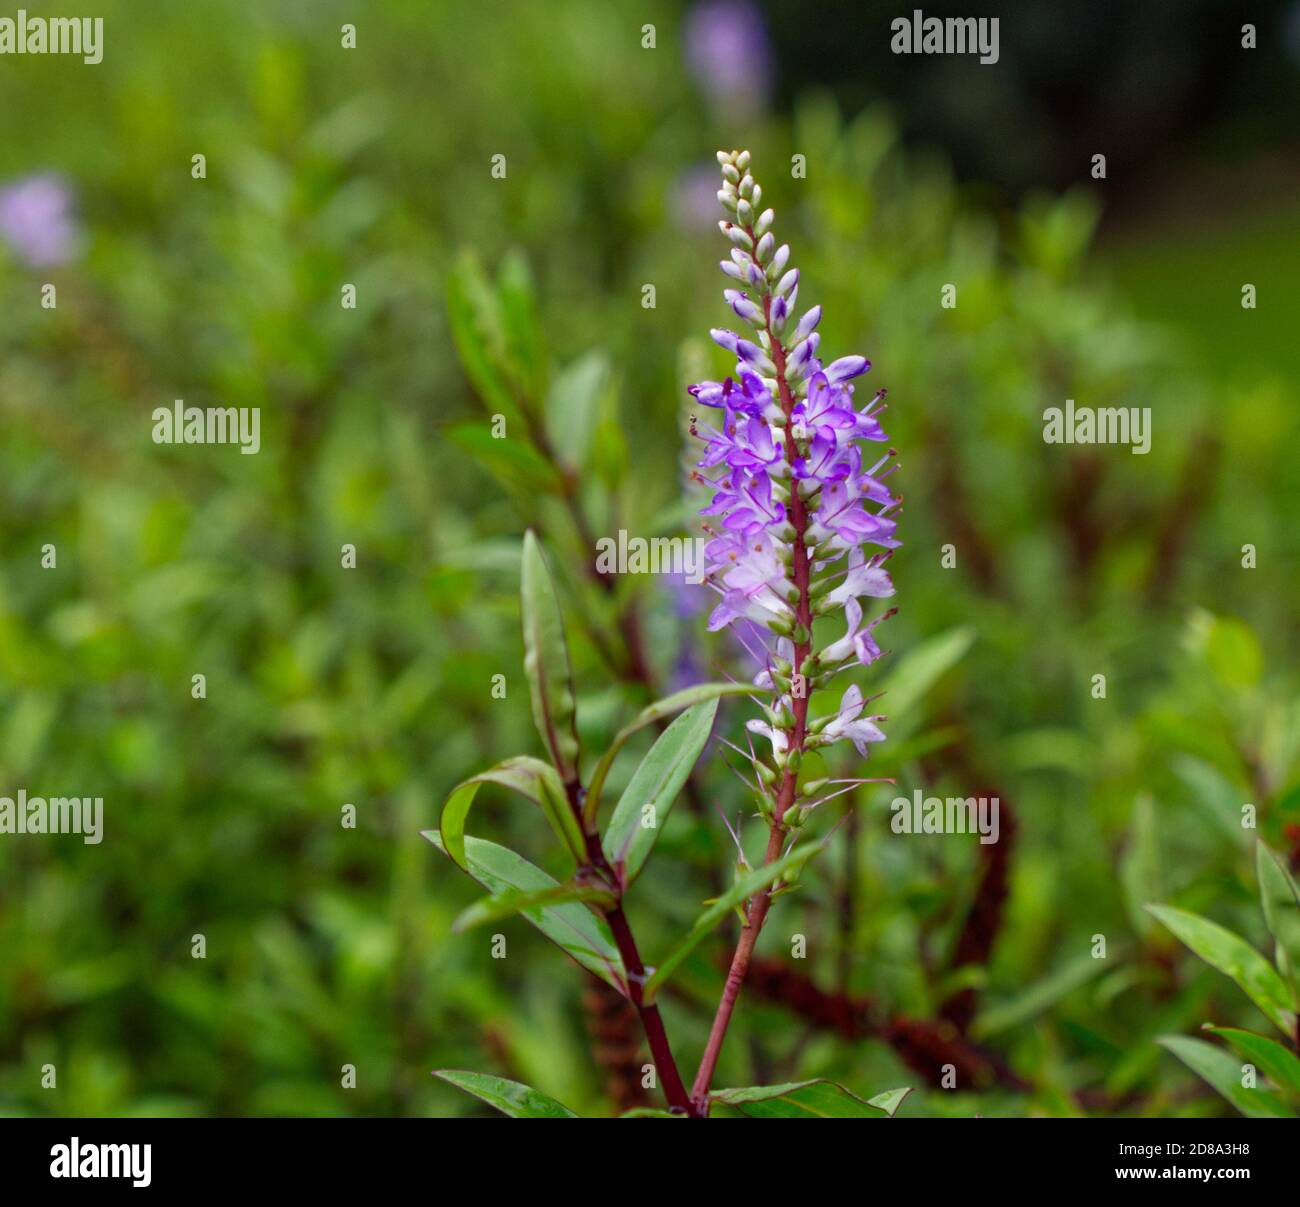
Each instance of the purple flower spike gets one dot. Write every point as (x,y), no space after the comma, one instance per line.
(801,526)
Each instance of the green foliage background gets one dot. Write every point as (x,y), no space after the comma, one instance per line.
(326,686)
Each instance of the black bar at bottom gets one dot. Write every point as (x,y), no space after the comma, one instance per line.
(364,1155)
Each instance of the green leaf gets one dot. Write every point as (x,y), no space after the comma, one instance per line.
(509,1097)
(521,324)
(890,1100)
(1221,1070)
(648,716)
(1038,997)
(571,406)
(475,330)
(514,901)
(585,936)
(816,1099)
(1278,1064)
(514,462)
(529,777)
(1234,957)
(1214,795)
(921,668)
(743,888)
(650,1112)
(546,661)
(1281,903)
(655,784)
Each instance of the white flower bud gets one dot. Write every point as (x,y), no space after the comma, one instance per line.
(737,235)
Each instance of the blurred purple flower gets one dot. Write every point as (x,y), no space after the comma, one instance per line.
(36,220)
(728,52)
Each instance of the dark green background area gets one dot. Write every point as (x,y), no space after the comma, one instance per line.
(371,686)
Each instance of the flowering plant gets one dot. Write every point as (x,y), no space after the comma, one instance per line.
(801,526)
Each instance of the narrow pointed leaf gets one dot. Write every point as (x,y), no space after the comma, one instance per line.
(644,807)
(546,661)
(1222,1070)
(1277,1063)
(509,1097)
(1038,997)
(1281,901)
(921,668)
(521,324)
(1234,957)
(572,927)
(746,886)
(648,716)
(572,405)
(890,1100)
(816,1099)
(529,777)
(475,328)
(515,901)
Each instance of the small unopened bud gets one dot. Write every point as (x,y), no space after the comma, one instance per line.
(807,324)
(737,235)
(798,358)
(765,219)
(780,314)
(743,307)
(730,172)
